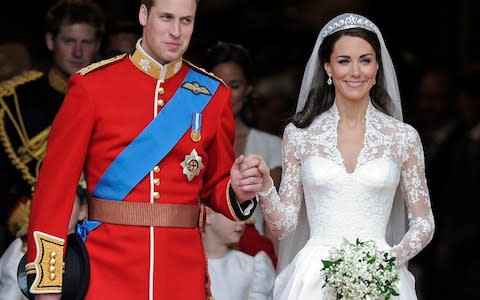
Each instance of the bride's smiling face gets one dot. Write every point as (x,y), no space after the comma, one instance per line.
(353,67)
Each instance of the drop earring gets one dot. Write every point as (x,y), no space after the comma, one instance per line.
(329,80)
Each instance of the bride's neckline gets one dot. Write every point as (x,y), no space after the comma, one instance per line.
(363,123)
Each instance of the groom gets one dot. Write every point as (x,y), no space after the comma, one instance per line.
(156,137)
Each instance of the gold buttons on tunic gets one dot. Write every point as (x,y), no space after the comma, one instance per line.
(52,268)
(156,181)
(156,169)
(160,102)
(156,195)
(161,90)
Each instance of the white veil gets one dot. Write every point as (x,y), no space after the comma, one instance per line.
(397,225)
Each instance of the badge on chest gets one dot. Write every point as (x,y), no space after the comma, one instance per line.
(192,165)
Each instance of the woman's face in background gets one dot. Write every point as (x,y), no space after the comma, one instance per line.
(233,75)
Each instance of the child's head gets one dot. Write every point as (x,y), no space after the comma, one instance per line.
(223,229)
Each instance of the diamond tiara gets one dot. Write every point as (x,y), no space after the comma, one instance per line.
(348,22)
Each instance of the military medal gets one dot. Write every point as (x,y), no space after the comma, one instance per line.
(196,127)
(192,165)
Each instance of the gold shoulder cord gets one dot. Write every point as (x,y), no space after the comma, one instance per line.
(100,64)
(211,74)
(7,88)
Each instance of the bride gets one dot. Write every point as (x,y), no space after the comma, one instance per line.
(352,168)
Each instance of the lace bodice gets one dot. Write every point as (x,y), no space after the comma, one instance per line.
(352,205)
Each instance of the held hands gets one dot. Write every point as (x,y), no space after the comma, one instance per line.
(247,176)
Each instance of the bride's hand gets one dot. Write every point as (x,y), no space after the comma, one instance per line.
(246,179)
(267,181)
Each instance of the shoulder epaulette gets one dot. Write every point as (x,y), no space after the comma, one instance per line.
(100,64)
(7,87)
(202,70)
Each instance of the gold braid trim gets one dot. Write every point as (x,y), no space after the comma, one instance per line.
(17,223)
(202,70)
(100,64)
(48,264)
(11,152)
(36,149)
(57,81)
(8,88)
(229,202)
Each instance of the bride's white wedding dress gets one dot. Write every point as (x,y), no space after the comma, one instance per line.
(347,205)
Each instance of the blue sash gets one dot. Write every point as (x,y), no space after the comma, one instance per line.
(154,142)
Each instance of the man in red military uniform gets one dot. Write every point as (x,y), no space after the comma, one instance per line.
(30,101)
(154,136)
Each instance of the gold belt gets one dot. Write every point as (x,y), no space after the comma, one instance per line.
(143,214)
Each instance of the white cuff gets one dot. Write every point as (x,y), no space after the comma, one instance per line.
(269,191)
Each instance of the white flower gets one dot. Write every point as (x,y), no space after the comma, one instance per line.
(145,64)
(359,271)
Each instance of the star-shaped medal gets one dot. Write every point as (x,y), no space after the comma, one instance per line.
(192,165)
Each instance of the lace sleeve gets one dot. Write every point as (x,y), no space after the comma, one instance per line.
(420,217)
(281,210)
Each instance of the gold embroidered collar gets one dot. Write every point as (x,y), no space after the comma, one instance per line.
(145,63)
(57,80)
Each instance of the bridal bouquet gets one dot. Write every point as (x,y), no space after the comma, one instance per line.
(359,271)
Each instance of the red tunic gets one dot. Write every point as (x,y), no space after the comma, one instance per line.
(103,112)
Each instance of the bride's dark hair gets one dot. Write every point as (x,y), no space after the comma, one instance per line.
(321,97)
